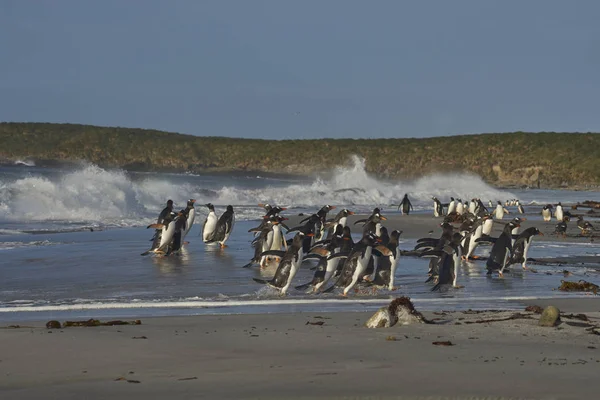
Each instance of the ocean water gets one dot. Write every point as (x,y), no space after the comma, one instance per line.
(70,243)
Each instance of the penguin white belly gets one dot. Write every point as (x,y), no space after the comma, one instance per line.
(209,226)
(451,207)
(276,241)
(559,213)
(546,215)
(473,242)
(166,238)
(487,227)
(361,267)
(393,266)
(341,222)
(293,270)
(329,270)
(460,208)
(499,212)
(436,212)
(525,251)
(190,221)
(472,207)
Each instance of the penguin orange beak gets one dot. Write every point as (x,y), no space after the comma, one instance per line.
(310,234)
(541,234)
(193,200)
(523,219)
(283,208)
(383,218)
(350,212)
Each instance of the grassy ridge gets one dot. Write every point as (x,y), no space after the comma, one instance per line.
(519,158)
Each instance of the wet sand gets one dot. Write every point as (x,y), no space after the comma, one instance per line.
(289,356)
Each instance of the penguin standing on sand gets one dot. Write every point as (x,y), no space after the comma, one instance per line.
(521,246)
(558,212)
(547,212)
(405,204)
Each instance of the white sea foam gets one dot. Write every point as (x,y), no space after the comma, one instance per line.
(111,197)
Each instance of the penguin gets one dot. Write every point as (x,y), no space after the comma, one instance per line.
(163,239)
(180,227)
(406,205)
(547,212)
(488,224)
(447,262)
(289,264)
(340,219)
(476,233)
(317,222)
(356,262)
(224,227)
(438,209)
(210,224)
(501,251)
(520,208)
(190,217)
(373,265)
(373,223)
(271,210)
(386,270)
(521,246)
(584,225)
(558,212)
(515,232)
(451,206)
(490,204)
(326,266)
(561,227)
(472,206)
(460,208)
(500,211)
(270,237)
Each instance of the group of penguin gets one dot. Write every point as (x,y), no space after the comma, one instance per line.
(172,228)
(371,261)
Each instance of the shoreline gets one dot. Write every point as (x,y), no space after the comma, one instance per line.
(308,355)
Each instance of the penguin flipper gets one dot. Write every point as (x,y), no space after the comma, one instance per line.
(339,255)
(146,252)
(360,220)
(486,239)
(432,253)
(436,287)
(329,289)
(263,281)
(302,287)
(251,263)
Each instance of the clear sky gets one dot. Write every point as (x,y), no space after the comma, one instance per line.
(303,68)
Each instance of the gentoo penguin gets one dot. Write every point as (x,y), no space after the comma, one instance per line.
(270,237)
(447,262)
(561,227)
(584,225)
(326,266)
(438,209)
(210,224)
(500,211)
(501,251)
(558,212)
(340,219)
(163,239)
(371,270)
(472,206)
(490,204)
(271,210)
(373,223)
(547,212)
(190,217)
(476,233)
(317,222)
(451,206)
(405,204)
(180,227)
(520,208)
(289,264)
(488,224)
(356,262)
(224,227)
(521,246)
(460,208)
(386,270)
(165,212)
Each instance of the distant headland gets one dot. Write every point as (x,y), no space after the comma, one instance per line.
(517,159)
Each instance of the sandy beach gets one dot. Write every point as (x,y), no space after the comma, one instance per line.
(312,355)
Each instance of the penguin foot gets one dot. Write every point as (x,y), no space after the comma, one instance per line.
(459,287)
(474,257)
(393,288)
(222,245)
(525,268)
(367,278)
(500,274)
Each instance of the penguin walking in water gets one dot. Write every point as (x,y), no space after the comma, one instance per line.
(438,208)
(447,260)
(521,246)
(164,238)
(271,211)
(520,208)
(356,262)
(373,223)
(316,222)
(371,271)
(476,233)
(490,204)
(501,251)
(558,212)
(270,237)
(451,206)
(190,214)
(223,228)
(210,224)
(405,204)
(180,227)
(289,264)
(547,212)
(386,270)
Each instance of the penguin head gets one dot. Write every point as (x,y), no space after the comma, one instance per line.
(191,202)
(230,209)
(210,206)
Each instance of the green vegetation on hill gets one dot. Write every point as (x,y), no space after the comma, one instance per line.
(519,158)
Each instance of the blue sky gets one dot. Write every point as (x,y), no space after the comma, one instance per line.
(303,69)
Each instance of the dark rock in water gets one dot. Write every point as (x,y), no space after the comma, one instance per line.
(399,311)
(95,322)
(550,316)
(53,325)
(581,286)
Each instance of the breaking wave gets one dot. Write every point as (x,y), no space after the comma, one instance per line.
(98,196)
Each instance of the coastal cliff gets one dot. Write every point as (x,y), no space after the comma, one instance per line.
(544,159)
